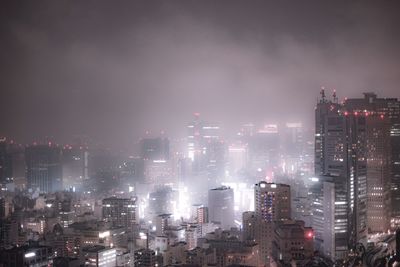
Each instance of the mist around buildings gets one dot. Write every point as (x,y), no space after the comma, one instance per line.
(265,195)
(199,133)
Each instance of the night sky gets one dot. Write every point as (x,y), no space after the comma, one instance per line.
(114,69)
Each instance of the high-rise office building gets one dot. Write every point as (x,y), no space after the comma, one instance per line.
(43,168)
(17,156)
(272,201)
(353,148)
(272,204)
(378,173)
(221,206)
(339,148)
(120,211)
(215,159)
(237,158)
(5,163)
(133,170)
(264,150)
(162,201)
(293,147)
(74,166)
(158,172)
(155,155)
(203,146)
(293,139)
(330,139)
(329,216)
(389,109)
(194,139)
(331,160)
(154,149)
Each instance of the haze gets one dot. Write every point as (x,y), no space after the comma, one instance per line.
(114,69)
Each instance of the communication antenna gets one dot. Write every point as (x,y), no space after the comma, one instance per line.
(323,99)
(335,99)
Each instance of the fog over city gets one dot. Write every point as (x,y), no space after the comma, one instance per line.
(199,133)
(112,71)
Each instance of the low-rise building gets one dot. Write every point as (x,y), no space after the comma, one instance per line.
(292,243)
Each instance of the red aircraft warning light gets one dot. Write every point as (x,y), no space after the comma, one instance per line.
(309,234)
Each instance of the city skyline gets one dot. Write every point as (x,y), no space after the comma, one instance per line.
(148,66)
(199,133)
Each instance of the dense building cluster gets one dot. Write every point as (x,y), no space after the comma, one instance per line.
(265,196)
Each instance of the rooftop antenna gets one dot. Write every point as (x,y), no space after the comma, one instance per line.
(323,99)
(335,99)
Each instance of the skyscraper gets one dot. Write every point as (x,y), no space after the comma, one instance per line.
(203,146)
(372,120)
(389,108)
(293,147)
(74,166)
(220,206)
(155,155)
(378,173)
(272,201)
(5,163)
(237,158)
(330,139)
(353,148)
(264,150)
(331,165)
(154,148)
(330,216)
(43,168)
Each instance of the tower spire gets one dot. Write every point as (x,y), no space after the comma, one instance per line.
(335,99)
(323,98)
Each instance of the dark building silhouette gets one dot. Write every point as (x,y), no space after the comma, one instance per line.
(74,166)
(5,163)
(154,148)
(43,168)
